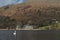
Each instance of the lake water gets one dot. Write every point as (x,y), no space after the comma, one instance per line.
(29,35)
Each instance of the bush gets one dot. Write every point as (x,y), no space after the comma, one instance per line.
(7,22)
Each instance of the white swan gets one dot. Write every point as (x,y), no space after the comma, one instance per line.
(14,33)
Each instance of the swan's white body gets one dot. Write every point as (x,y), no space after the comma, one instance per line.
(14,33)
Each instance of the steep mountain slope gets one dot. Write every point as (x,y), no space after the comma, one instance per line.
(11,9)
(33,12)
(28,11)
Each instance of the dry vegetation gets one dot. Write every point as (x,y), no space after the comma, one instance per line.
(37,14)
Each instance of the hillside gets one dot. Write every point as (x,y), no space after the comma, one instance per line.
(34,13)
(18,9)
(11,9)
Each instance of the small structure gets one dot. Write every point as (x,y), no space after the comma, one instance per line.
(17,27)
(53,21)
(54,24)
(28,27)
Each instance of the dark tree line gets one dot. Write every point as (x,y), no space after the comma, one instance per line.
(7,22)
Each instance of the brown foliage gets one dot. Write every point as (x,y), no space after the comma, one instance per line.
(37,14)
